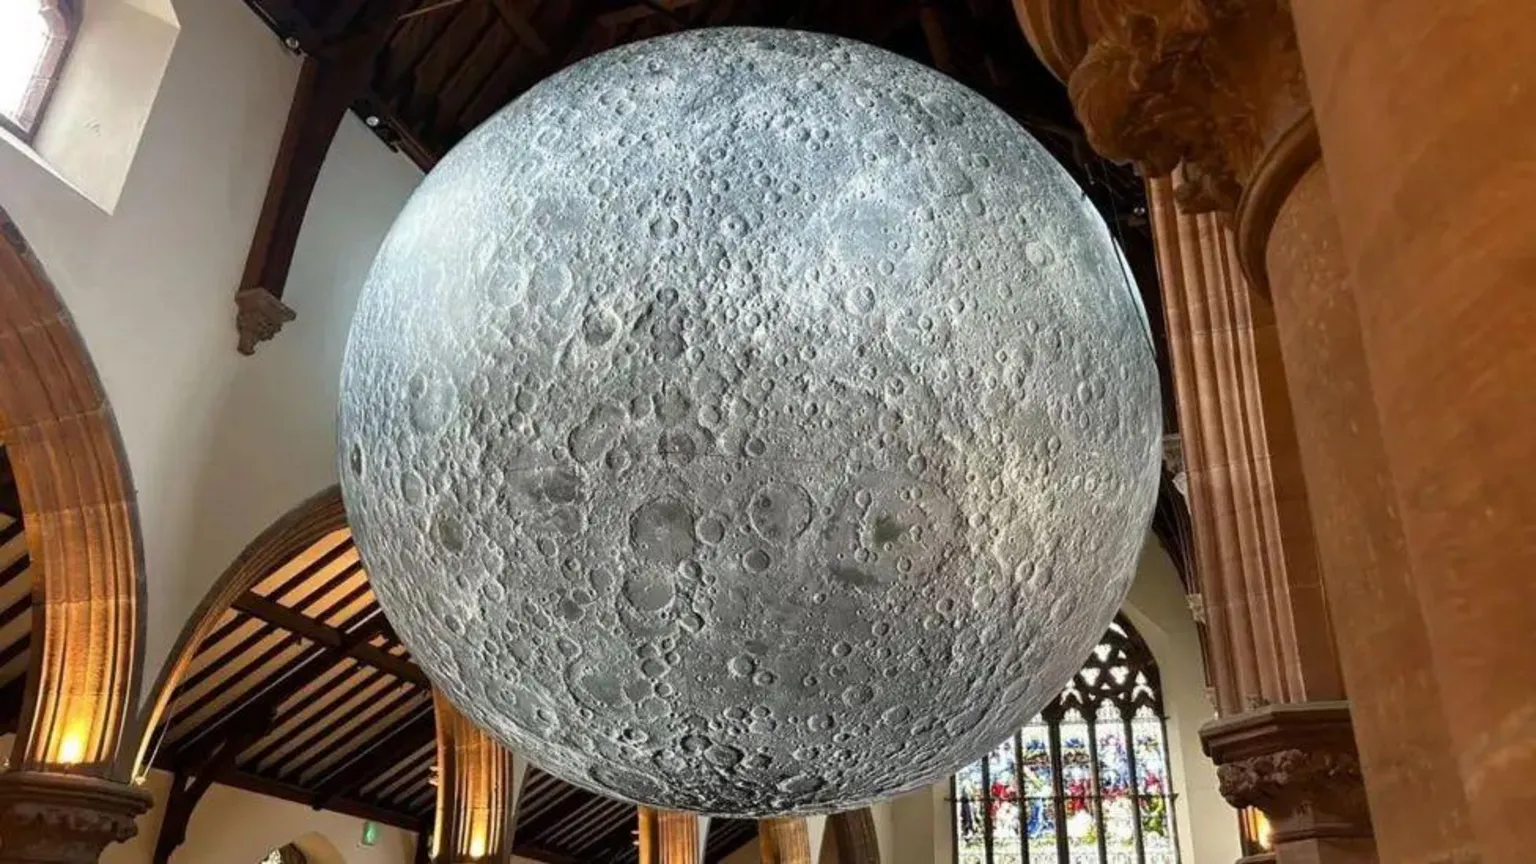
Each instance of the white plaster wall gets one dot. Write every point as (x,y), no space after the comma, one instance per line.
(232,826)
(219,445)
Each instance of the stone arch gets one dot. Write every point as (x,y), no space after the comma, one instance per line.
(82,529)
(303,526)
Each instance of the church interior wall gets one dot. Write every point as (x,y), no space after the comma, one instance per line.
(239,827)
(219,444)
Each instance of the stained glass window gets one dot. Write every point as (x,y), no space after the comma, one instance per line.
(1086,781)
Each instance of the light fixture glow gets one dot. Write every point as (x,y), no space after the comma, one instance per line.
(72,747)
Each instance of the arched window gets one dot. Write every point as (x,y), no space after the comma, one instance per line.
(34,38)
(1086,781)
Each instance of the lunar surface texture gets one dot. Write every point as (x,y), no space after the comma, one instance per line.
(749,422)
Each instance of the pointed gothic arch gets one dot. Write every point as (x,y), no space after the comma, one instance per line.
(77,505)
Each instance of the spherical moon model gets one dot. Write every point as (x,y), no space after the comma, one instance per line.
(749,422)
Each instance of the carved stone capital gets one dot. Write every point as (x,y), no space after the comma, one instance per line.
(1297,763)
(1214,86)
(64,819)
(259,317)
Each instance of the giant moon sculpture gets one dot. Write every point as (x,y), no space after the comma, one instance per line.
(749,422)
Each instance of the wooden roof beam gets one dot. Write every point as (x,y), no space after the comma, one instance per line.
(289,792)
(329,637)
(294,679)
(638,10)
(329,82)
(188,787)
(520,26)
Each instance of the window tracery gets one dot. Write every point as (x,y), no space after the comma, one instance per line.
(1084,782)
(34,38)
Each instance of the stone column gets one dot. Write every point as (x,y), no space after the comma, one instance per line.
(784,841)
(854,833)
(478,783)
(64,819)
(1424,110)
(1215,90)
(668,837)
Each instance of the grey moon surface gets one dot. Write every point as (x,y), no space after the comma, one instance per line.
(749,422)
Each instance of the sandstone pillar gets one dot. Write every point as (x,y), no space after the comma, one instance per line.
(1215,90)
(784,841)
(668,837)
(478,782)
(1424,110)
(854,833)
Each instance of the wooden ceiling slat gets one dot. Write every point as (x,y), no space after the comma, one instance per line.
(331,552)
(305,720)
(211,665)
(16,609)
(467,25)
(393,778)
(286,647)
(570,803)
(364,762)
(237,686)
(413,785)
(584,833)
(618,844)
(450,96)
(534,814)
(364,721)
(286,578)
(215,658)
(292,678)
(15,649)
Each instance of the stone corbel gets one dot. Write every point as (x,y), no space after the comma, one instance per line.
(1214,86)
(64,819)
(1298,764)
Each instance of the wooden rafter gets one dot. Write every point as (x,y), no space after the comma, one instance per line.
(330,637)
(188,786)
(332,78)
(274,651)
(520,26)
(291,680)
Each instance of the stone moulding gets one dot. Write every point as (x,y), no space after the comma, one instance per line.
(1214,86)
(65,818)
(1298,764)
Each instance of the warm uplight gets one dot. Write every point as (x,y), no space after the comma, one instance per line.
(1258,834)
(72,748)
(477,845)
